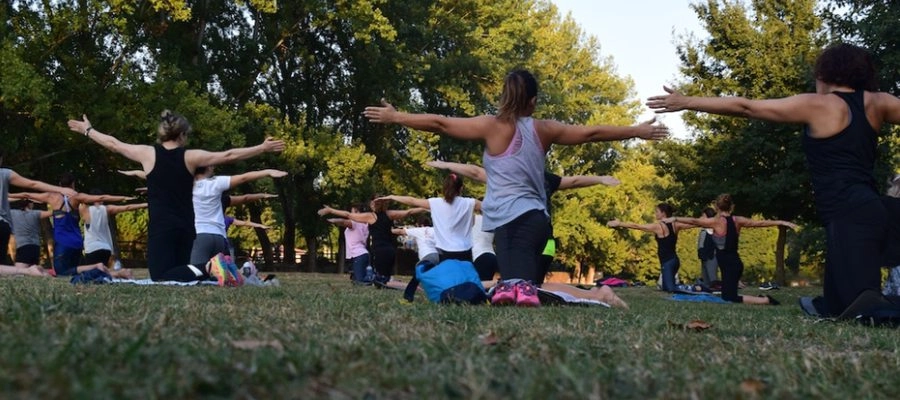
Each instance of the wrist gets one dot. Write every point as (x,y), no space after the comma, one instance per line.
(87,131)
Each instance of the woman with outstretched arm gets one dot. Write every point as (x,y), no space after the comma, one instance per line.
(514,158)
(841,120)
(169,168)
(726,230)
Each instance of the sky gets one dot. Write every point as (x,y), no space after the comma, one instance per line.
(639,35)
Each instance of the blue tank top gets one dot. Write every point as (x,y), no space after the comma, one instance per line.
(515,179)
(841,167)
(66,232)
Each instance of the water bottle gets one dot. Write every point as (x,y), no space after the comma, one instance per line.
(117,265)
(370,274)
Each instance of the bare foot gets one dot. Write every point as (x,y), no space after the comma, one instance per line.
(605,294)
(123,273)
(35,270)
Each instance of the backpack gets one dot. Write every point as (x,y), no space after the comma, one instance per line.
(708,250)
(450,281)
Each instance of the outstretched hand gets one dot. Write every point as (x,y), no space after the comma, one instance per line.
(79,126)
(435,164)
(325,210)
(671,102)
(273,145)
(275,173)
(648,131)
(614,223)
(609,180)
(381,115)
(791,225)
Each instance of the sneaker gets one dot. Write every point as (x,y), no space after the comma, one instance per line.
(504,294)
(526,295)
(217,268)
(236,279)
(768,286)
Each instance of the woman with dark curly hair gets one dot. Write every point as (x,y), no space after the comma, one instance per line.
(842,120)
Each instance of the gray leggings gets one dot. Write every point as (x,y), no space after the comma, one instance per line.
(206,245)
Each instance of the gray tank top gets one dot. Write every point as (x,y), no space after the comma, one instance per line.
(515,178)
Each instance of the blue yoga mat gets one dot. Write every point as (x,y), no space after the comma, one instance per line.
(698,298)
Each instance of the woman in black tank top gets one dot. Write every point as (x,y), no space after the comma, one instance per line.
(842,120)
(666,234)
(169,170)
(380,221)
(728,226)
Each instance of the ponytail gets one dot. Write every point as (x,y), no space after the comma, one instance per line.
(519,88)
(452,187)
(172,126)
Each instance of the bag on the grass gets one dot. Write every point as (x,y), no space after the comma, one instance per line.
(451,281)
(873,308)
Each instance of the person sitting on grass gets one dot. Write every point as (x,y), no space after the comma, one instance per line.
(169,169)
(666,235)
(726,230)
(452,216)
(356,236)
(841,123)
(68,242)
(26,227)
(380,221)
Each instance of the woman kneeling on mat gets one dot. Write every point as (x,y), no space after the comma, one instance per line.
(726,230)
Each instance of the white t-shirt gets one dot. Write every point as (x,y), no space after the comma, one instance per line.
(452,223)
(424,237)
(208,214)
(482,242)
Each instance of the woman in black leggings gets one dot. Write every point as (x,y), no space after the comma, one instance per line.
(726,230)
(169,169)
(380,222)
(842,121)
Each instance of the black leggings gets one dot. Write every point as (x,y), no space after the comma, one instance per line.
(732,268)
(465,255)
(383,260)
(854,243)
(168,254)
(486,265)
(519,245)
(5,231)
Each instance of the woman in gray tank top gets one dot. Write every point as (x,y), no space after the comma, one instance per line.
(515,147)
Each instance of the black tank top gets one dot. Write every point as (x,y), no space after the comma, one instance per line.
(665,246)
(169,191)
(731,236)
(381,231)
(841,167)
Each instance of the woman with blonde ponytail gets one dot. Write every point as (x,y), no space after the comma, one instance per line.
(169,169)
(514,157)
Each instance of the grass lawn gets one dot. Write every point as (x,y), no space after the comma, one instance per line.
(316,336)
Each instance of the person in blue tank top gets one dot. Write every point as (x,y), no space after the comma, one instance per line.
(514,158)
(842,121)
(68,242)
(666,234)
(169,169)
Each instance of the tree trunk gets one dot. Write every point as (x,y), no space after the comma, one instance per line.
(256,216)
(592,270)
(312,247)
(576,274)
(779,255)
(290,226)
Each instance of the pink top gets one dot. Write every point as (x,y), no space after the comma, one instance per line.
(356,236)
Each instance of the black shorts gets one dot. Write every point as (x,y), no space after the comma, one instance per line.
(28,254)
(97,256)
